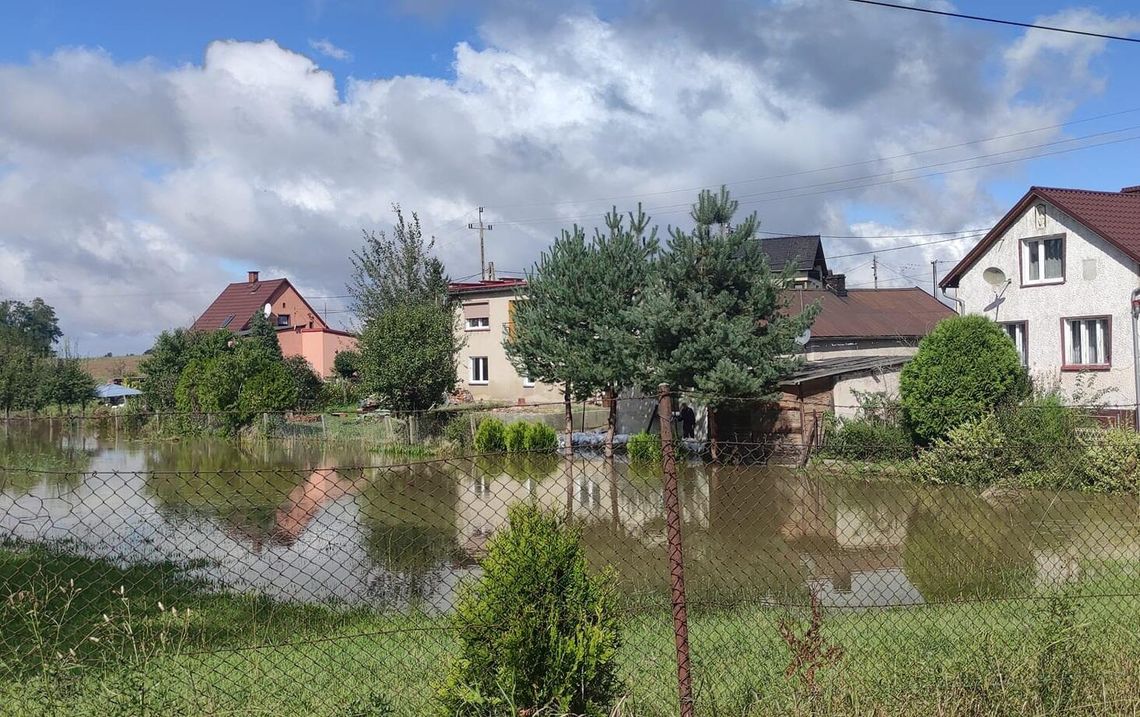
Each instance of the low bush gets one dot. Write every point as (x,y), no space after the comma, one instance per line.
(514,437)
(866,439)
(975,453)
(490,436)
(537,632)
(540,438)
(457,430)
(1111,460)
(644,449)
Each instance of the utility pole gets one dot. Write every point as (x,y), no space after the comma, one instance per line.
(875,269)
(482,256)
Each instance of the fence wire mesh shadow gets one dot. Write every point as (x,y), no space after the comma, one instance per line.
(835,586)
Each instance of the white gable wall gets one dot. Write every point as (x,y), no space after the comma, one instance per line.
(1099,279)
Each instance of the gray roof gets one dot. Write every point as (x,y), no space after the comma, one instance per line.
(114,390)
(842,366)
(805,251)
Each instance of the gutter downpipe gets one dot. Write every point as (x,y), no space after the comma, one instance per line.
(962,304)
(1136,356)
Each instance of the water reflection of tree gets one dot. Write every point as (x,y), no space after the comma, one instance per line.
(961,546)
(409,517)
(42,452)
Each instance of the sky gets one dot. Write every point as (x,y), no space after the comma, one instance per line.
(151,154)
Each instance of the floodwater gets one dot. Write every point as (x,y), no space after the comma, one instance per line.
(324,523)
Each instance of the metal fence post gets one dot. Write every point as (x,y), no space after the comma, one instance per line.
(676,561)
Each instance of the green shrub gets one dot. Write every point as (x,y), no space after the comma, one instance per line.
(975,453)
(489,436)
(964,369)
(514,437)
(644,448)
(536,631)
(457,430)
(1111,460)
(866,439)
(541,438)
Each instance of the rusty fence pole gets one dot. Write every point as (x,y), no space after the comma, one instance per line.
(676,560)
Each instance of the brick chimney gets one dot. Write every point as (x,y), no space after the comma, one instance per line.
(836,284)
(1131,190)
(252,278)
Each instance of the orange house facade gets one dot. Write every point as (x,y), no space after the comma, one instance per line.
(300,329)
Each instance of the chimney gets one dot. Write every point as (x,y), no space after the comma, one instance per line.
(252,277)
(1131,190)
(836,284)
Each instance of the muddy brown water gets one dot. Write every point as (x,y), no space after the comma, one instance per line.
(339,523)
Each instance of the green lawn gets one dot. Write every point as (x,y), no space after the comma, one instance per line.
(238,655)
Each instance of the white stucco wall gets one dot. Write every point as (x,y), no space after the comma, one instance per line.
(1099,279)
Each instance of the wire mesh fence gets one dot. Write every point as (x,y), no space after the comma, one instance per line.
(206,579)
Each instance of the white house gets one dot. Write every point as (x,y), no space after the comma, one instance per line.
(1061,273)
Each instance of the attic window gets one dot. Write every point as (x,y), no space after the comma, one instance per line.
(229,319)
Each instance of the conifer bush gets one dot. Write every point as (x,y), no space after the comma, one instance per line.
(490,436)
(537,632)
(514,437)
(965,368)
(541,438)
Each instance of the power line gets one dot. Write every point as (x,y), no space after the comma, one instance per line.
(845,165)
(904,246)
(997,21)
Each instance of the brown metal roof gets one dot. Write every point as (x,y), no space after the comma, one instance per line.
(842,366)
(237,304)
(487,286)
(1114,216)
(871,313)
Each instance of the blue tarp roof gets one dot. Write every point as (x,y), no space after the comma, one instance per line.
(114,390)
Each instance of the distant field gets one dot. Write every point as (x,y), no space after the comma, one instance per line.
(106,368)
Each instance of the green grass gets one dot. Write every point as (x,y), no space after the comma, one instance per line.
(242,655)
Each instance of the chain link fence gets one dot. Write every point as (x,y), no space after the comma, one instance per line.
(214,582)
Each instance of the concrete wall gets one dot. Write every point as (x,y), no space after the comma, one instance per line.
(847,387)
(504,383)
(1098,280)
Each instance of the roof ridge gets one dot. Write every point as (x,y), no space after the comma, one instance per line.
(1085,191)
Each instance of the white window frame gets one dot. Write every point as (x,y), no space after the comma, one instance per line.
(1095,336)
(1036,245)
(473,376)
(527,382)
(1018,332)
(483,323)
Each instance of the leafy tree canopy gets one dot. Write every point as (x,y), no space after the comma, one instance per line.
(399,269)
(408,356)
(33,324)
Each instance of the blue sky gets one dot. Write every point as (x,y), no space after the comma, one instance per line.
(150,152)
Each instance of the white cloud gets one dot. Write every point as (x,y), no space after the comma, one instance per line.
(330,50)
(130,193)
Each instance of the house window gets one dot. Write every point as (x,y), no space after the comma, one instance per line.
(282,319)
(528,382)
(477,316)
(1087,343)
(228,321)
(479,373)
(1043,260)
(1018,332)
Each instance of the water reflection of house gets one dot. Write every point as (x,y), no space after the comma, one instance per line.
(293,516)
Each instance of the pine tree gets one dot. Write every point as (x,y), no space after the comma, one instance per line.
(621,266)
(715,319)
(553,327)
(264,336)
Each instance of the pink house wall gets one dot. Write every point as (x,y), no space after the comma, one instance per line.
(318,346)
(289,303)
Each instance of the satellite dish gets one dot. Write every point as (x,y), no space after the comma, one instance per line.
(268,310)
(994,276)
(803,338)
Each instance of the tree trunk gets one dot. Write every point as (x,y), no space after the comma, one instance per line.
(714,449)
(611,422)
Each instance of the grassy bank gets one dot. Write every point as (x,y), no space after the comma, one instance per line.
(75,644)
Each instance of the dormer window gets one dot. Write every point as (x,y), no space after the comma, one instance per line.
(282,320)
(1043,260)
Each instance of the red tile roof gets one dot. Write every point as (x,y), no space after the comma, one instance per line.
(237,303)
(1114,216)
(489,286)
(871,313)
